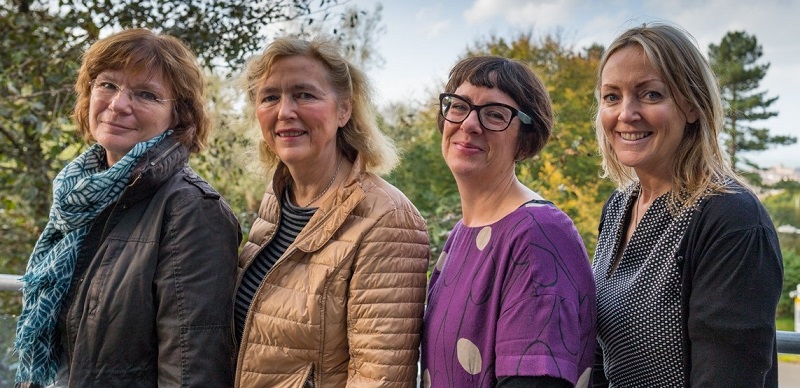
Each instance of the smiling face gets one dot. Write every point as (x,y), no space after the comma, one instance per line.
(470,150)
(117,122)
(299,112)
(643,122)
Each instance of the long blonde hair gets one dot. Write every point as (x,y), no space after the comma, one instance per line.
(360,135)
(701,166)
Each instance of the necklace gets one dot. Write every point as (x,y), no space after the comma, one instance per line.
(335,174)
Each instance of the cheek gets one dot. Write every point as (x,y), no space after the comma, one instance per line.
(608,119)
(265,121)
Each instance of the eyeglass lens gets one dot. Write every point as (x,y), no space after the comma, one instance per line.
(494,117)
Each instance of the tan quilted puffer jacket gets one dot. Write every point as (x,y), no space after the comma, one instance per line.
(344,303)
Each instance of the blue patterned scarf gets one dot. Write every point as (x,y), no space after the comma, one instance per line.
(80,192)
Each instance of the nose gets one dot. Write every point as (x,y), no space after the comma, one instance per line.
(472,123)
(629,110)
(121,101)
(286,108)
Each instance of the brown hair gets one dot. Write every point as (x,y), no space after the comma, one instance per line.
(360,135)
(518,81)
(142,51)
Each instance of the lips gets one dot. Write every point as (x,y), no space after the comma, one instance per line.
(289,133)
(633,136)
(116,125)
(466,145)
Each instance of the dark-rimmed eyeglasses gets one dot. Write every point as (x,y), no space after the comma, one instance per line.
(493,117)
(107,90)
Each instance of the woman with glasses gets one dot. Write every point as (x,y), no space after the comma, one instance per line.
(333,274)
(688,265)
(511,300)
(130,282)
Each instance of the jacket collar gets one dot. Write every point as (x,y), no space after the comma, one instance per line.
(332,213)
(155,166)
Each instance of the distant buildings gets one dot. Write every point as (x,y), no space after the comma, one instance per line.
(779,173)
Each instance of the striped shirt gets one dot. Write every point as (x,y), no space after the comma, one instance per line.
(293,220)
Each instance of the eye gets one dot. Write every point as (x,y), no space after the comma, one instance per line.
(652,95)
(496,113)
(269,98)
(459,106)
(305,96)
(145,95)
(109,86)
(610,98)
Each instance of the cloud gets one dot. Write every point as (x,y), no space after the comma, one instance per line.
(543,13)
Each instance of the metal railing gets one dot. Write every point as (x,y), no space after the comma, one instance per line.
(788,341)
(10,282)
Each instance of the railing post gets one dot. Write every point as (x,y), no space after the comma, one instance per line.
(796,297)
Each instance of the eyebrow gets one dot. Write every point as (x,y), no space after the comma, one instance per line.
(149,85)
(299,87)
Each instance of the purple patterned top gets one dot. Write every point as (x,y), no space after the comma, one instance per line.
(515,298)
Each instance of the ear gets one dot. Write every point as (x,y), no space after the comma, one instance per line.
(691,116)
(345,110)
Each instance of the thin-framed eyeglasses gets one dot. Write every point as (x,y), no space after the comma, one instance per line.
(494,117)
(107,90)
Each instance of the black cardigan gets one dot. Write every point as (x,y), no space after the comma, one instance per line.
(731,275)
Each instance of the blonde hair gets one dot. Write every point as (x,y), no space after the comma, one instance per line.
(360,135)
(142,51)
(701,166)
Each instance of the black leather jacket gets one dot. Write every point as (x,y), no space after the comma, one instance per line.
(150,302)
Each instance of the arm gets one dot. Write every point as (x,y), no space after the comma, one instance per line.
(194,294)
(735,285)
(547,318)
(385,306)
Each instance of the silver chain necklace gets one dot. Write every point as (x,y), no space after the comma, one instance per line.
(335,174)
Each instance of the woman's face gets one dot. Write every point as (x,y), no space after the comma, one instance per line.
(471,151)
(299,112)
(124,109)
(642,120)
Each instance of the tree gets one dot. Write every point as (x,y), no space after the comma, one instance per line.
(42,42)
(735,61)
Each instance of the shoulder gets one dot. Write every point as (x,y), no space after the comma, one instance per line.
(381,198)
(735,210)
(542,225)
(187,191)
(545,216)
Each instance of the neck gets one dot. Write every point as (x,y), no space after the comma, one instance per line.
(484,204)
(311,188)
(652,187)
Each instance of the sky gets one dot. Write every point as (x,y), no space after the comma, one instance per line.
(423,39)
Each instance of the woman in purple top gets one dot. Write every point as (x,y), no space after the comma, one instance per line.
(511,302)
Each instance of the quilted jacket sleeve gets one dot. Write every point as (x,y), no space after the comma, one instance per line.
(386,303)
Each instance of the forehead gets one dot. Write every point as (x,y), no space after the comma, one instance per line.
(481,95)
(297,66)
(152,79)
(629,62)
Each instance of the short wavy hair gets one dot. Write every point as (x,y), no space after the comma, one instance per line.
(360,135)
(519,82)
(701,165)
(142,51)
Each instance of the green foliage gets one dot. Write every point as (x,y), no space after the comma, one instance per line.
(734,61)
(422,174)
(42,42)
(791,278)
